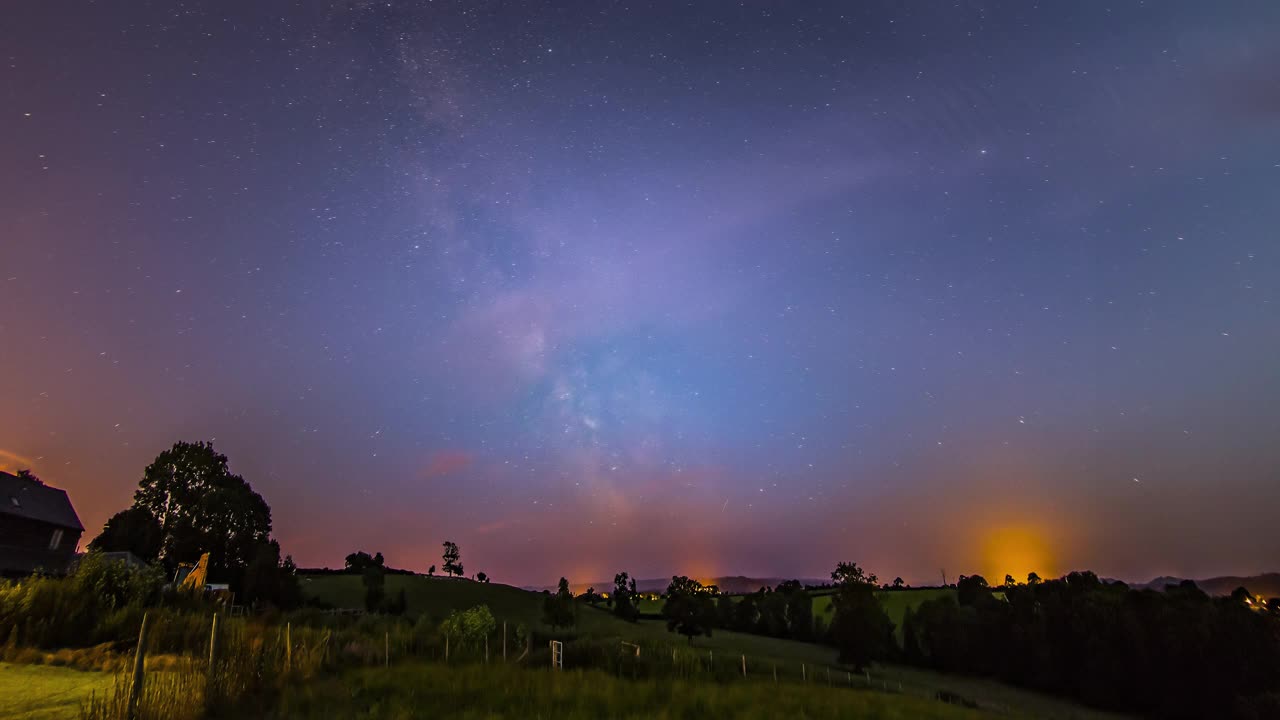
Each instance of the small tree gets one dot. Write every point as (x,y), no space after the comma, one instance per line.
(558,609)
(1033,579)
(469,627)
(624,598)
(374,582)
(897,583)
(451,556)
(26,474)
(431,571)
(482,577)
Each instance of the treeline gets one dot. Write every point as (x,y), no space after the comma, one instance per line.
(1177,653)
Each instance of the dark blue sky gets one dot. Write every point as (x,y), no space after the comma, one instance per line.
(660,287)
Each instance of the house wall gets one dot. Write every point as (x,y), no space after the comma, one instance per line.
(16,531)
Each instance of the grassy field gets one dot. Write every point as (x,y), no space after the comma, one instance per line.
(44,692)
(438,596)
(496,691)
(432,595)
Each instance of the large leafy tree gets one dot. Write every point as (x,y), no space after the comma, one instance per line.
(202,507)
(860,629)
(133,530)
(690,608)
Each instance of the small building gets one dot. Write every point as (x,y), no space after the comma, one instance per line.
(39,529)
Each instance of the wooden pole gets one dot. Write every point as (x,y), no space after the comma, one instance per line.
(775,673)
(744,666)
(139,664)
(213,643)
(386,649)
(486,649)
(504,641)
(804,675)
(446,648)
(288,647)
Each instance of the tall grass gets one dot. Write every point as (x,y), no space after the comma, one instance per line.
(417,690)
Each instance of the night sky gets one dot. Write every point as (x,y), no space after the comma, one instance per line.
(703,287)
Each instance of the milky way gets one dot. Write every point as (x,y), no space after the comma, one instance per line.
(701,287)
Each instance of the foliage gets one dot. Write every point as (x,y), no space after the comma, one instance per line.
(360,560)
(271,581)
(624,597)
(202,507)
(558,610)
(481,577)
(860,629)
(451,557)
(374,580)
(134,530)
(469,628)
(1177,653)
(26,474)
(79,610)
(690,608)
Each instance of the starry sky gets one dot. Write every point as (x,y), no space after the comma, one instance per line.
(699,287)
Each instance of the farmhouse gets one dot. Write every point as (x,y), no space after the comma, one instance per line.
(39,530)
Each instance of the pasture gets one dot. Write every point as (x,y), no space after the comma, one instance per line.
(794,661)
(47,692)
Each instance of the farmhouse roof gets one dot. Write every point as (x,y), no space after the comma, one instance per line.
(36,501)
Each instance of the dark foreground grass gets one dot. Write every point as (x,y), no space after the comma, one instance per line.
(494,691)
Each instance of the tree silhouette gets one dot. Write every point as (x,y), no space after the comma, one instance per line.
(202,507)
(431,571)
(26,474)
(482,577)
(558,609)
(690,608)
(624,598)
(132,530)
(451,557)
(897,583)
(860,629)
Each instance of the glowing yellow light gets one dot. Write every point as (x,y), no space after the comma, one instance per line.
(1016,550)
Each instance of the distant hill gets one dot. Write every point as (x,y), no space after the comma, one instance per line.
(1266,585)
(732,584)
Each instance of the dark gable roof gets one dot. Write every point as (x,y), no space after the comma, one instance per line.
(37,502)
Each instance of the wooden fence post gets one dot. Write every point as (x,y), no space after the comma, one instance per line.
(504,641)
(386,649)
(213,643)
(139,664)
(288,647)
(446,648)
(804,675)
(744,666)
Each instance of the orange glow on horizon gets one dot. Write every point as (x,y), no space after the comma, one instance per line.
(1016,550)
